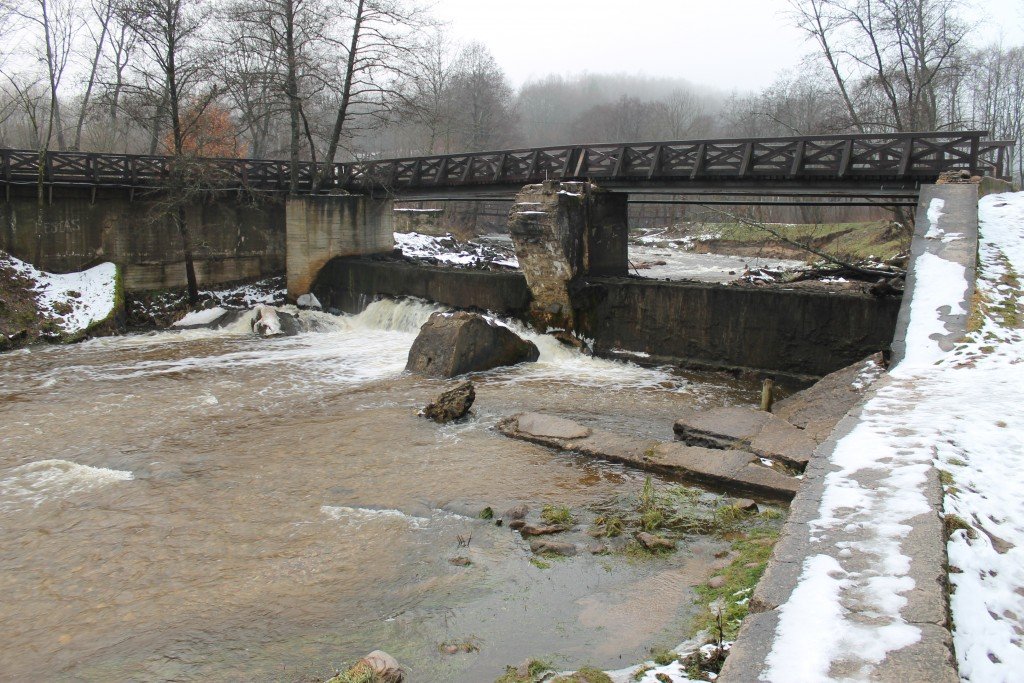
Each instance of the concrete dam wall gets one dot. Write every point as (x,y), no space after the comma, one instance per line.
(233,237)
(794,333)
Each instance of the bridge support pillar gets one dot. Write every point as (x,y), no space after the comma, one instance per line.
(322,227)
(563,231)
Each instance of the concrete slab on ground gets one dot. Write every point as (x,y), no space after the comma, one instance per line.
(756,431)
(733,471)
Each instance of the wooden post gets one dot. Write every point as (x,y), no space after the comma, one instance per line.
(766,395)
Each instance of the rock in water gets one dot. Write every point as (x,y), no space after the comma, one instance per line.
(451,404)
(655,543)
(571,340)
(378,666)
(456,343)
(308,301)
(516,512)
(546,547)
(269,322)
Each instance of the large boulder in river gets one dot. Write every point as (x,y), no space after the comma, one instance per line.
(451,344)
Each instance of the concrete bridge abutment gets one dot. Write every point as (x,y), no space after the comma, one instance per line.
(318,228)
(563,231)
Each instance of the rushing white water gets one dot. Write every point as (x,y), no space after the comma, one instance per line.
(335,350)
(32,484)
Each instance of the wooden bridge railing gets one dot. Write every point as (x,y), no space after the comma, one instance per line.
(902,156)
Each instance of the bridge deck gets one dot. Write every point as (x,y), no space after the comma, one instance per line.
(840,161)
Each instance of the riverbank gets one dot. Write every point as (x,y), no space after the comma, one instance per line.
(37,306)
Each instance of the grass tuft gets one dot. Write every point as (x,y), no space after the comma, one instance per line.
(741,576)
(557,514)
(587,674)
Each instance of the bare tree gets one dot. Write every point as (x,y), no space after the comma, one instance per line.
(682,114)
(56,24)
(894,54)
(102,14)
(431,104)
(379,53)
(280,54)
(482,101)
(178,72)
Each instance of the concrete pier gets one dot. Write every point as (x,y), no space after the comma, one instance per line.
(561,232)
(322,227)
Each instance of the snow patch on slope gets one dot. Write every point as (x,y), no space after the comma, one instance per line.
(73,301)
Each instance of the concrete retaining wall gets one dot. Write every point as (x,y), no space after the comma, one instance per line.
(233,238)
(787,333)
(320,228)
(790,333)
(349,285)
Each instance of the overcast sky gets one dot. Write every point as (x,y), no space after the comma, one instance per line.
(730,44)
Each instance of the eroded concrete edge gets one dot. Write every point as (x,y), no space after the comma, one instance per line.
(927,608)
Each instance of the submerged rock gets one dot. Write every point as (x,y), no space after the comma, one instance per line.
(569,339)
(549,547)
(456,343)
(539,424)
(540,529)
(516,512)
(451,404)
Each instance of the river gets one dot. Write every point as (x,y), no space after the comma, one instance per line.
(207,505)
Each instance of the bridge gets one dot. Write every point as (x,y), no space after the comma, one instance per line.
(102,199)
(885,163)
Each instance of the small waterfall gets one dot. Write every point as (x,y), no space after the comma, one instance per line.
(391,315)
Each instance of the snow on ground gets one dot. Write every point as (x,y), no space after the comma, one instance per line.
(977,395)
(248,295)
(449,251)
(73,301)
(962,412)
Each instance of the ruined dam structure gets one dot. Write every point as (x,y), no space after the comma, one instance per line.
(569,225)
(64,210)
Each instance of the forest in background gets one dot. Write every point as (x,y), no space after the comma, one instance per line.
(357,79)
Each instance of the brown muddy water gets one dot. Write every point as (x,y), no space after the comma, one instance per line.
(205,505)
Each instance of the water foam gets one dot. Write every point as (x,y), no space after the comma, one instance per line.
(359,517)
(350,350)
(37,482)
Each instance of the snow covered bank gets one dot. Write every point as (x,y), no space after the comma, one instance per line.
(866,600)
(974,400)
(164,309)
(69,305)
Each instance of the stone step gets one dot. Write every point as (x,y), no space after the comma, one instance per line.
(820,407)
(756,431)
(732,471)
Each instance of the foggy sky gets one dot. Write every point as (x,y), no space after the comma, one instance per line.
(727,44)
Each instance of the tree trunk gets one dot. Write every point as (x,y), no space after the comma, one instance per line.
(186,245)
(92,79)
(292,92)
(346,98)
